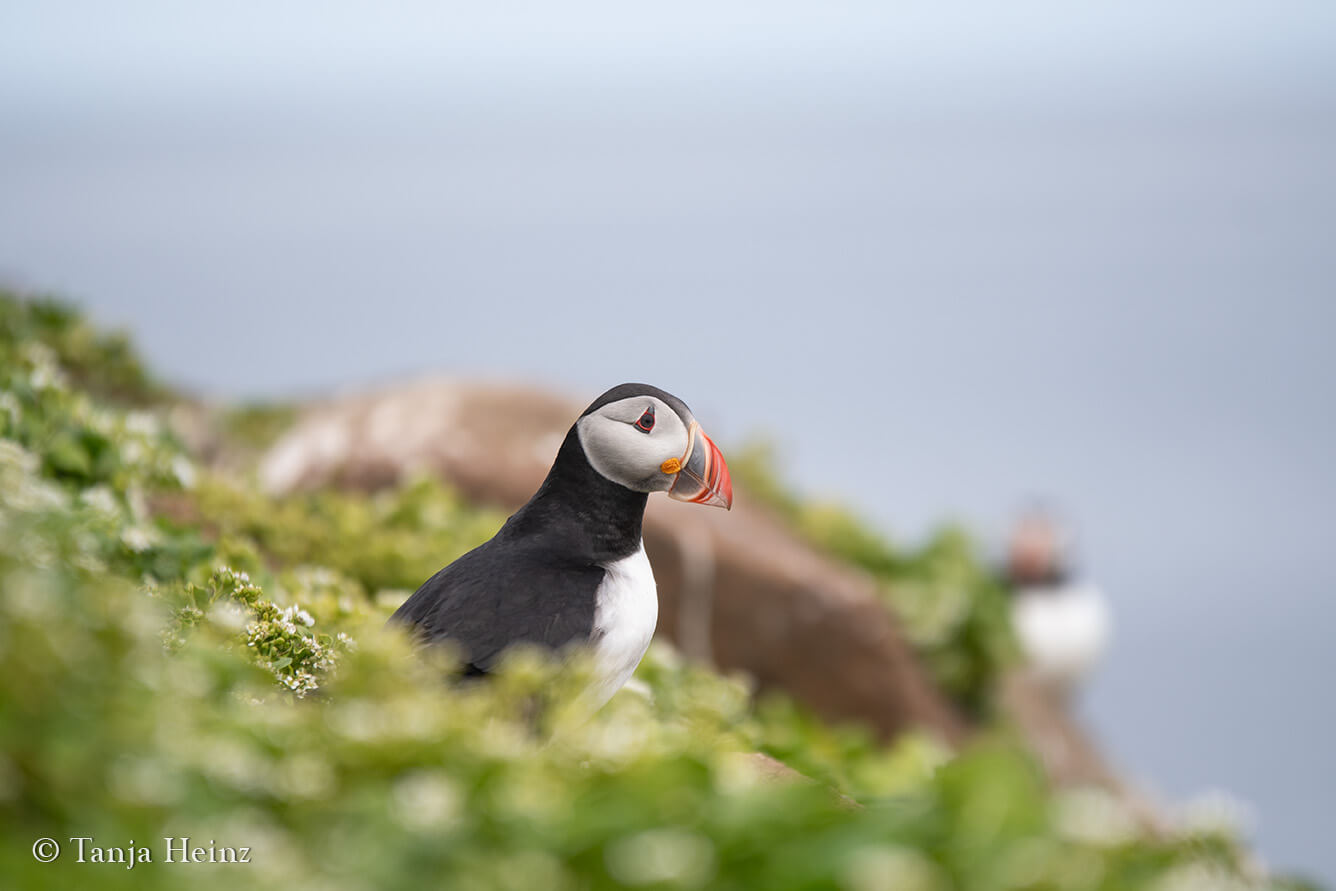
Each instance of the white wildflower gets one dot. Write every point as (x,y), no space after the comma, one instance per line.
(184,471)
(142,423)
(133,452)
(101,499)
(45,373)
(1216,813)
(890,868)
(13,455)
(9,404)
(88,562)
(20,486)
(139,538)
(101,420)
(300,682)
(296,613)
(1093,816)
(661,855)
(426,799)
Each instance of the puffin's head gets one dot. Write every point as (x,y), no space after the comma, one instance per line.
(645,439)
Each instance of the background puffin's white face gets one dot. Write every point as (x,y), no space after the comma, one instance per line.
(628,441)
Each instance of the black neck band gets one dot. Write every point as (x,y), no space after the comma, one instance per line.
(595,519)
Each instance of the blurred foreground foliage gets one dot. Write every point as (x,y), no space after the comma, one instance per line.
(183,656)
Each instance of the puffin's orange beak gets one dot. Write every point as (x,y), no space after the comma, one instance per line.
(703,477)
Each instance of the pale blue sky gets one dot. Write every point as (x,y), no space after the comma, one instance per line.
(219,47)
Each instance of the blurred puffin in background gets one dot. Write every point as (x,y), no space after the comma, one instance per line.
(1062,623)
(569,567)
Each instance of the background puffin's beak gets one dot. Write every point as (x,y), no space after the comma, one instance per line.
(704,477)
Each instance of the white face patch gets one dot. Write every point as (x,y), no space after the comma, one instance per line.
(619,447)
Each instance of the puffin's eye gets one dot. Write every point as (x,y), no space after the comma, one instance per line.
(646,422)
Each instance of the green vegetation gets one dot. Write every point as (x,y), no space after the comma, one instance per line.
(183,656)
(257,425)
(104,364)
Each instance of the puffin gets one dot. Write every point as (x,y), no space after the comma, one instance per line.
(569,567)
(1062,622)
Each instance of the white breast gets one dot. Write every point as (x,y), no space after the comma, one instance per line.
(1063,633)
(624,618)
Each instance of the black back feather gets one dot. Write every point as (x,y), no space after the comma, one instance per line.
(537,579)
